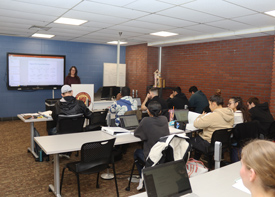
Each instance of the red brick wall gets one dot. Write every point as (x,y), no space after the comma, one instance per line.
(136,68)
(241,67)
(272,93)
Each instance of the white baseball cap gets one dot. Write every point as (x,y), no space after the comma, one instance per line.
(66,88)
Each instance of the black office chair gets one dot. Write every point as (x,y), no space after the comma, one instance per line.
(271,132)
(166,156)
(70,123)
(242,133)
(95,157)
(97,120)
(223,136)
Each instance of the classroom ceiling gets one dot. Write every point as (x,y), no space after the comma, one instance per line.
(194,20)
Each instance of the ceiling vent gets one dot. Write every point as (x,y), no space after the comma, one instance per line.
(40,27)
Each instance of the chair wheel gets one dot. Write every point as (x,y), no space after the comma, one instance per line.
(127,188)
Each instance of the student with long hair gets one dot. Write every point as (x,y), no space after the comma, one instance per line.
(241,113)
(258,169)
(72,77)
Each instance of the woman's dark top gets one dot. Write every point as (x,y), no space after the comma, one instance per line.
(72,80)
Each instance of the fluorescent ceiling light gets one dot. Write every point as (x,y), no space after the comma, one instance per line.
(271,13)
(116,42)
(43,35)
(163,34)
(70,21)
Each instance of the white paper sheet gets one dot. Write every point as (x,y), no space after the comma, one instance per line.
(239,185)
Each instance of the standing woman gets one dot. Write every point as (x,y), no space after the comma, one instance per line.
(72,77)
(258,169)
(241,113)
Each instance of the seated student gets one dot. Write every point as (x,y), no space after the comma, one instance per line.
(241,113)
(261,113)
(150,130)
(153,96)
(177,99)
(197,100)
(258,169)
(123,104)
(220,118)
(68,105)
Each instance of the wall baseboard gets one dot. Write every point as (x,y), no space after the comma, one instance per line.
(9,118)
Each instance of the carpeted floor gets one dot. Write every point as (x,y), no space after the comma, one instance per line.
(21,175)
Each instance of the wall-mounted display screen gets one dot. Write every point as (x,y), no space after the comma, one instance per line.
(31,71)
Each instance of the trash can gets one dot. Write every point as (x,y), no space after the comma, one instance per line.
(49,103)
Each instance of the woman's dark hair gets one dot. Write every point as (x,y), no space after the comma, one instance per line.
(242,108)
(75,72)
(125,91)
(217,99)
(154,108)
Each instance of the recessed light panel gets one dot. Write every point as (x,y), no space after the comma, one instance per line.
(271,13)
(42,35)
(164,34)
(116,42)
(70,21)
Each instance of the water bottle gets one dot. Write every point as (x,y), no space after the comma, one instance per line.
(136,93)
(133,93)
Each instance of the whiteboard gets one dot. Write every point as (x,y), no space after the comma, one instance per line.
(110,74)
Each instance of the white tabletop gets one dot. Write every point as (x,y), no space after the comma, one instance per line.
(34,119)
(69,142)
(216,183)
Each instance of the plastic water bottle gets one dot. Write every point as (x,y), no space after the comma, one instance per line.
(133,93)
(136,93)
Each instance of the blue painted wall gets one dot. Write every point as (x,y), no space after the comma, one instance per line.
(88,58)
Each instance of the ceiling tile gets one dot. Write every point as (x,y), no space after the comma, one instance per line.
(257,5)
(230,25)
(176,2)
(112,2)
(218,8)
(31,8)
(185,32)
(206,29)
(146,6)
(154,18)
(108,10)
(190,15)
(257,20)
(152,26)
(53,3)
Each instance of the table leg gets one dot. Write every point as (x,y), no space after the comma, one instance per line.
(56,187)
(31,149)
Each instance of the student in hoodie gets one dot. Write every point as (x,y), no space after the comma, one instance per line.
(261,113)
(197,100)
(220,118)
(68,105)
(177,99)
(123,104)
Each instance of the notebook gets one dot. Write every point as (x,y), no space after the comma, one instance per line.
(168,180)
(181,115)
(129,122)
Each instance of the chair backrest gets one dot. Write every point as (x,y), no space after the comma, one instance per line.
(99,153)
(223,136)
(271,132)
(70,123)
(137,112)
(99,118)
(246,131)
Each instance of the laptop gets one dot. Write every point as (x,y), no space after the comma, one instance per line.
(181,115)
(129,122)
(168,180)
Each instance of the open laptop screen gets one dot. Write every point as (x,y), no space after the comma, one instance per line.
(167,180)
(182,115)
(129,121)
